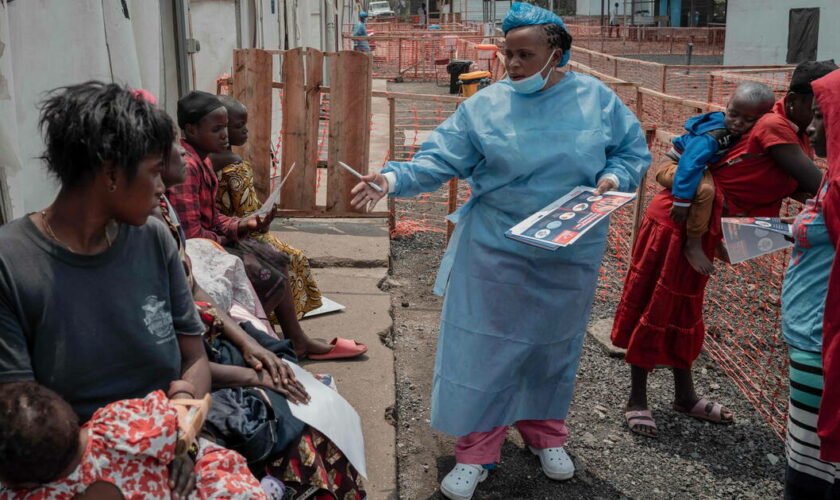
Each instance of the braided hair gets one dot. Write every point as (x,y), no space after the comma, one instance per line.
(558,38)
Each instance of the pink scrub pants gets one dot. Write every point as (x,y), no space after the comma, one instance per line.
(485,447)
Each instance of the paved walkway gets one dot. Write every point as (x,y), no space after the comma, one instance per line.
(350,257)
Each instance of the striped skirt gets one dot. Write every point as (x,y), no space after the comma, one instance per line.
(807,476)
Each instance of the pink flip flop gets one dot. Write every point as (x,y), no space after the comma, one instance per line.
(342,349)
(706,410)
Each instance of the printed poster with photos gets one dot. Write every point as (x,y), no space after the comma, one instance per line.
(566,219)
(750,237)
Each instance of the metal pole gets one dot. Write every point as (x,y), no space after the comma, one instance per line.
(689,49)
(602,14)
(691,13)
(551,5)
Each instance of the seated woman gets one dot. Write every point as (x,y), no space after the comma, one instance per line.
(94,302)
(203,121)
(243,356)
(237,198)
(128,444)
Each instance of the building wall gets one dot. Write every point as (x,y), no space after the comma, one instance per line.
(757,30)
(593,8)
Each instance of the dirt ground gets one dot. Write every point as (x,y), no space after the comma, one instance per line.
(691,459)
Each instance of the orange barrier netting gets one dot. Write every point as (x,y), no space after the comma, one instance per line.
(637,40)
(424,56)
(723,83)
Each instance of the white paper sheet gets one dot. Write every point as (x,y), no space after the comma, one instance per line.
(327,306)
(274,197)
(333,416)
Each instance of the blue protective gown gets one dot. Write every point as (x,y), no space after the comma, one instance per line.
(514,316)
(360,30)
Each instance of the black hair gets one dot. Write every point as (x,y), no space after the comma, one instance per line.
(808,71)
(195,106)
(558,38)
(39,437)
(89,124)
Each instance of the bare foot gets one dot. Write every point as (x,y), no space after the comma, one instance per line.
(307,346)
(694,254)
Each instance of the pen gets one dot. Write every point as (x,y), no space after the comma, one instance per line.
(347,167)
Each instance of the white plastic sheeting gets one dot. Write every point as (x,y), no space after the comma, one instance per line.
(52,43)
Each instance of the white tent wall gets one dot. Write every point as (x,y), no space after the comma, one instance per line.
(213,24)
(52,43)
(10,163)
(757,30)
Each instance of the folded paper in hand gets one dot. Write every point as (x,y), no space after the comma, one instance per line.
(274,197)
(750,237)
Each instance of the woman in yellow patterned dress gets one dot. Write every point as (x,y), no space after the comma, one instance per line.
(237,198)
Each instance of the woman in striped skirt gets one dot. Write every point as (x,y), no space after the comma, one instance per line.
(803,303)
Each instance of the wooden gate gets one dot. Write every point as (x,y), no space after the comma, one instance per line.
(348,137)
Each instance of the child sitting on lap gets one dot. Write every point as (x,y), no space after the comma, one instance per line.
(709,136)
(129,444)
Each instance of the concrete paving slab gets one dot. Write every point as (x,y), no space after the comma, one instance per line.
(367,382)
(337,242)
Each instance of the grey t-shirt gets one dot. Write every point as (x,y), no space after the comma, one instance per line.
(94,328)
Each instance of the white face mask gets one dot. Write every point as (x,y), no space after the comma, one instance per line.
(533,83)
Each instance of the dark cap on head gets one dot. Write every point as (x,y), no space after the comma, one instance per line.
(808,71)
(195,106)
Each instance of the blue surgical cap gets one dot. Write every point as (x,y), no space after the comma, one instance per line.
(362,14)
(525,14)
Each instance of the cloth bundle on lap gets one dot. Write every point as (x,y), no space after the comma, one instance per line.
(256,422)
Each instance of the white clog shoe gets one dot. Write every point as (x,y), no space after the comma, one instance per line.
(461,481)
(555,463)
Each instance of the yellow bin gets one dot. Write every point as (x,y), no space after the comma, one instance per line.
(472,82)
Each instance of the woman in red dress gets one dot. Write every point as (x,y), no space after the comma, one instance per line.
(827,91)
(660,317)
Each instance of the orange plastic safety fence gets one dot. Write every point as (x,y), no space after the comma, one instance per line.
(723,83)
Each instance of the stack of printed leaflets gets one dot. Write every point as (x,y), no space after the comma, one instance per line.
(566,219)
(750,237)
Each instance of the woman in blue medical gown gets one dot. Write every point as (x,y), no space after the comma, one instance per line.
(514,315)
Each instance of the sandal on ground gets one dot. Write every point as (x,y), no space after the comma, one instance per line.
(461,482)
(341,349)
(704,409)
(637,420)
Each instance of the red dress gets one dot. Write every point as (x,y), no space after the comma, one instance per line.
(827,92)
(659,319)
